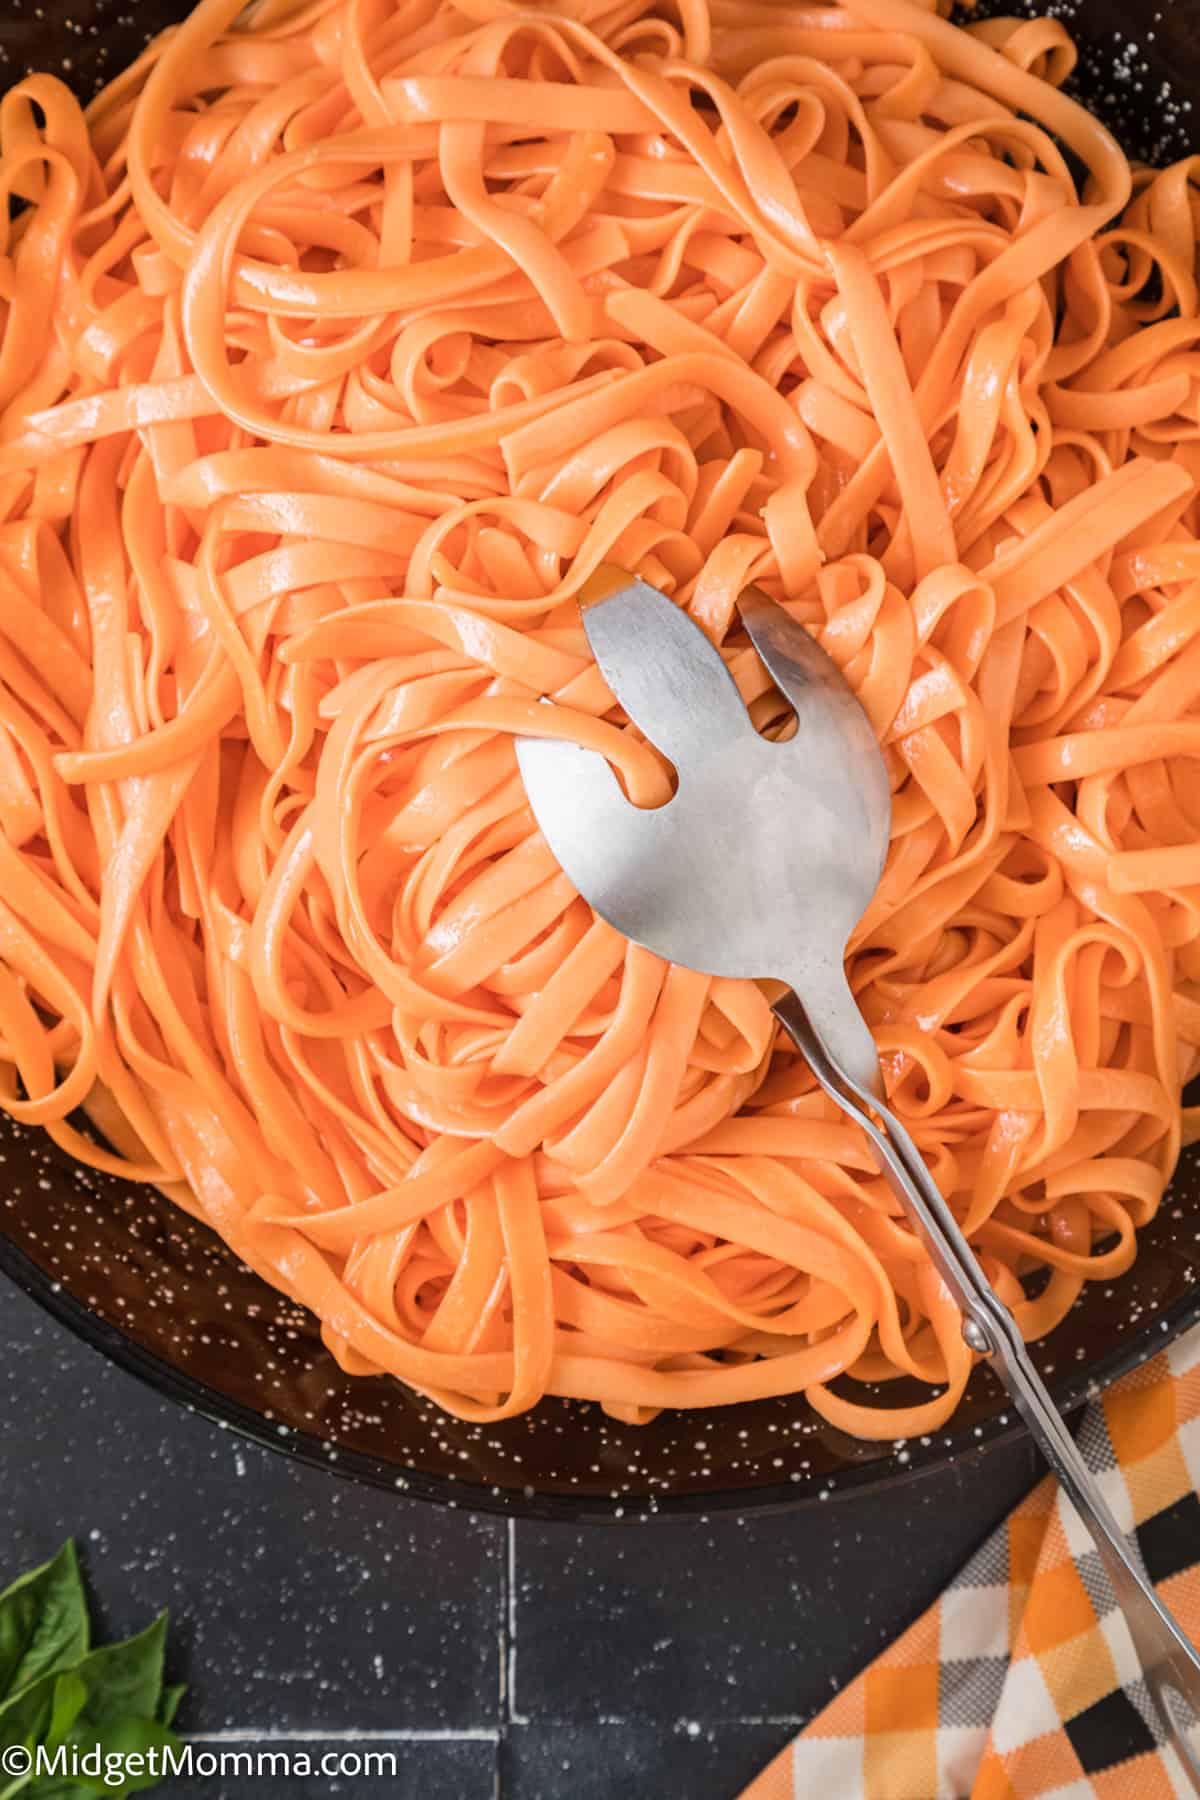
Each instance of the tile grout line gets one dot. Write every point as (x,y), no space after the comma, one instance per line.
(467,1734)
(502,1640)
(512,1715)
(505,1641)
(268,1734)
(795,1720)
(624,1721)
(480,1734)
(502,1608)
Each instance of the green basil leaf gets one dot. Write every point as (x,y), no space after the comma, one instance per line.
(99,1745)
(68,1699)
(43,1622)
(25,1717)
(62,1786)
(125,1680)
(168,1706)
(52,1789)
(90,1709)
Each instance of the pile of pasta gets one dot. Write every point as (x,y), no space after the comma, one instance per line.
(342,341)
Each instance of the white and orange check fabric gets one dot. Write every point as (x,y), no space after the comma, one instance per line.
(1020,1683)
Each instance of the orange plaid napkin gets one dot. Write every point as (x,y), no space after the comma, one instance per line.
(1020,1682)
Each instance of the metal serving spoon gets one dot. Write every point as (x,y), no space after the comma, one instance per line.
(760,866)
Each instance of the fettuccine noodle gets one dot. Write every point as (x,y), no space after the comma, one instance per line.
(342,342)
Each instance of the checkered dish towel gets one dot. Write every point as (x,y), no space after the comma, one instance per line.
(1020,1683)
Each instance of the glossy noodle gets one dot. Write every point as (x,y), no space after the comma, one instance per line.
(341,343)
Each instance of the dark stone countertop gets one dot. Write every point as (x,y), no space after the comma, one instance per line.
(530,1662)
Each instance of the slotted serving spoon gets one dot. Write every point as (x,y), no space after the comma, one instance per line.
(760,866)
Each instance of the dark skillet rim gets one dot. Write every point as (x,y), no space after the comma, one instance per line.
(1106,23)
(915,1459)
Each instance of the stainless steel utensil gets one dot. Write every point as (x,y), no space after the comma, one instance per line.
(760,866)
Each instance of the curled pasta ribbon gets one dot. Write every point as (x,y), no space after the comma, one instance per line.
(340,344)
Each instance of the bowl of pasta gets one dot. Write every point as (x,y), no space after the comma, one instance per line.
(340,343)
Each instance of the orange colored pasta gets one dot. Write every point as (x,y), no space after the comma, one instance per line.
(340,344)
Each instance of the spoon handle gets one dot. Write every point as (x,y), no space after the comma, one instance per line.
(1169,1661)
